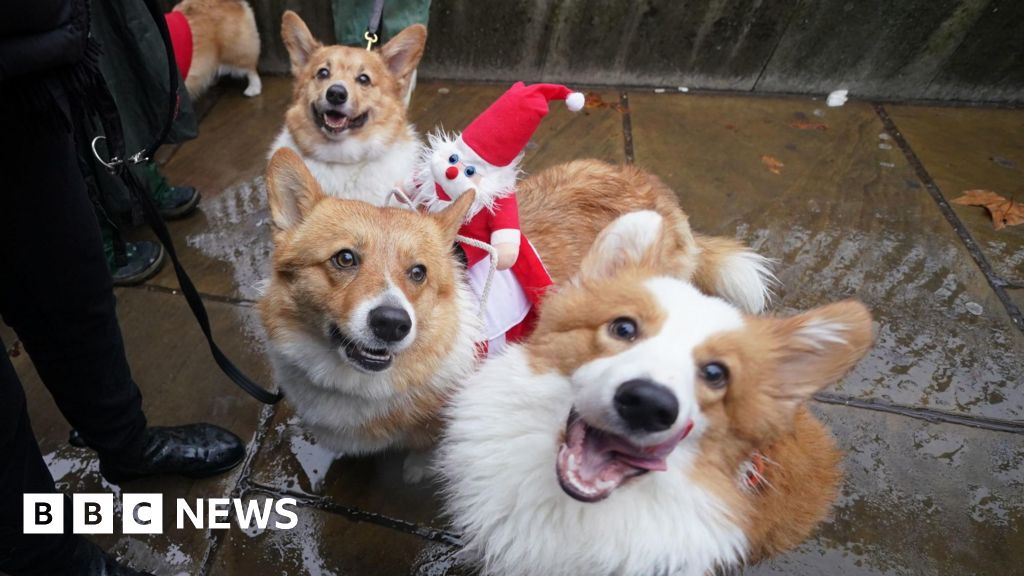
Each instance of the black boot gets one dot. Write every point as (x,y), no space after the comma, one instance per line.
(90,560)
(195,451)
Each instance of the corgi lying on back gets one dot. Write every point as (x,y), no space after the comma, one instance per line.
(626,435)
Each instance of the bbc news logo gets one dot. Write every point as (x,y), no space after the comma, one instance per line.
(144,513)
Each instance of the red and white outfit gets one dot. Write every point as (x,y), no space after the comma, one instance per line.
(485,157)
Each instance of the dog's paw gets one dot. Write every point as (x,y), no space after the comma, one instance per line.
(416,467)
(255,86)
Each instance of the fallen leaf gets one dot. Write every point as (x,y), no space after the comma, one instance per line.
(1004,211)
(810,126)
(593,100)
(772,164)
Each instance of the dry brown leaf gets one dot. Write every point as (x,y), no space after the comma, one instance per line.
(1004,211)
(773,164)
(593,100)
(810,126)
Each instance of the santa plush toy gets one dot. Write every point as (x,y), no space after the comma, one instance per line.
(485,157)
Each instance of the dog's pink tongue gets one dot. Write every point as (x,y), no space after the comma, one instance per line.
(336,120)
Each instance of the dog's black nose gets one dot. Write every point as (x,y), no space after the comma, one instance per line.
(390,323)
(337,94)
(647,406)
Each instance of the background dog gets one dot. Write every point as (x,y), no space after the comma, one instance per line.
(370,320)
(618,437)
(347,117)
(224,42)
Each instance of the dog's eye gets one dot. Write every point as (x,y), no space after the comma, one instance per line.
(323,73)
(363,79)
(470,170)
(418,273)
(345,259)
(715,375)
(623,329)
(453,159)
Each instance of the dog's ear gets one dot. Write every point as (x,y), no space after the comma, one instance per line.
(297,39)
(631,240)
(403,52)
(816,348)
(451,218)
(291,190)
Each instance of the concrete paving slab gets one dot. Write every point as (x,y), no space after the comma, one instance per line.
(845,216)
(291,460)
(918,498)
(974,148)
(180,384)
(329,545)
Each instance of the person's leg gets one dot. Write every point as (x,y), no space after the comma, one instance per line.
(22,471)
(55,292)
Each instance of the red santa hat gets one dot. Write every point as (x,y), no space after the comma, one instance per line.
(501,132)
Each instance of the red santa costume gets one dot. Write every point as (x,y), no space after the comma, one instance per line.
(181,40)
(485,157)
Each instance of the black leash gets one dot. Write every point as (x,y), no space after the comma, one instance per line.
(372,34)
(119,165)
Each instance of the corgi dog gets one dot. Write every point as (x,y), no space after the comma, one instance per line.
(621,437)
(347,118)
(214,38)
(369,317)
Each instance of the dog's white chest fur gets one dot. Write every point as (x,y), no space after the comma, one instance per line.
(358,169)
(499,460)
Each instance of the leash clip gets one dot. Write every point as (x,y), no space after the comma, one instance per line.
(112,164)
(371,39)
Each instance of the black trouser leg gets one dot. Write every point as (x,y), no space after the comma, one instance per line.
(56,293)
(22,471)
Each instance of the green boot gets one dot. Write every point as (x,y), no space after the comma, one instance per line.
(173,201)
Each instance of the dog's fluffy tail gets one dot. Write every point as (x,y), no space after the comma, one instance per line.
(735,272)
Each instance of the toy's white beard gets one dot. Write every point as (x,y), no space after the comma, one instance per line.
(494,182)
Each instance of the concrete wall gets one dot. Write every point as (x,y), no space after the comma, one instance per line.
(971,50)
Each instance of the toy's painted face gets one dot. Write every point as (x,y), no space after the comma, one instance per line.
(456,169)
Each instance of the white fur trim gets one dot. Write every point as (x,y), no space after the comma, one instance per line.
(505,236)
(575,101)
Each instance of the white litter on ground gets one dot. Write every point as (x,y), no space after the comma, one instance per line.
(659,90)
(837,98)
(683,89)
(886,164)
(819,112)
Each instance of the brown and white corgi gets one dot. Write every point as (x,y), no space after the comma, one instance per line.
(347,117)
(626,435)
(214,38)
(370,320)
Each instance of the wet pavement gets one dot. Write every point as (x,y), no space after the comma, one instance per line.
(850,201)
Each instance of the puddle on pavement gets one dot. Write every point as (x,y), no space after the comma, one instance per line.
(238,233)
(918,499)
(936,345)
